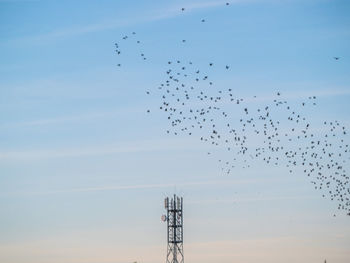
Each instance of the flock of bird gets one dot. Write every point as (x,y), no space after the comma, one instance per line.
(274,130)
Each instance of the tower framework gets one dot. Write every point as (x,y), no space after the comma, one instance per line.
(174,219)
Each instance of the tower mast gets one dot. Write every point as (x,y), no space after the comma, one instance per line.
(174,219)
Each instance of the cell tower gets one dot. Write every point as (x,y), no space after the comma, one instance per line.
(174,219)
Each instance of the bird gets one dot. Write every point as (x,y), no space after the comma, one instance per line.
(194,105)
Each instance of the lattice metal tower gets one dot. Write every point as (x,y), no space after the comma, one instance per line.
(174,219)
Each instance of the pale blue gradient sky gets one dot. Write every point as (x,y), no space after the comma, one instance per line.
(84,169)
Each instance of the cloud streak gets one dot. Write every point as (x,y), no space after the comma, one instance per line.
(111,24)
(302,95)
(131,147)
(250,199)
(158,186)
(71,118)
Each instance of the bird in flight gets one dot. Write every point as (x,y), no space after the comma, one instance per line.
(193,105)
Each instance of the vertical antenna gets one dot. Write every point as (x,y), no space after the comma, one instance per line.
(174,219)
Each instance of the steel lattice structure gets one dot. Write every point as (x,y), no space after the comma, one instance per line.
(174,219)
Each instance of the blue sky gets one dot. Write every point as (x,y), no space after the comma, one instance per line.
(83,167)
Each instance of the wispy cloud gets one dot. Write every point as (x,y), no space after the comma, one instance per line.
(250,199)
(110,24)
(148,186)
(18,1)
(70,118)
(302,95)
(122,148)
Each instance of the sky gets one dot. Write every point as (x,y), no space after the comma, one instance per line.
(84,168)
